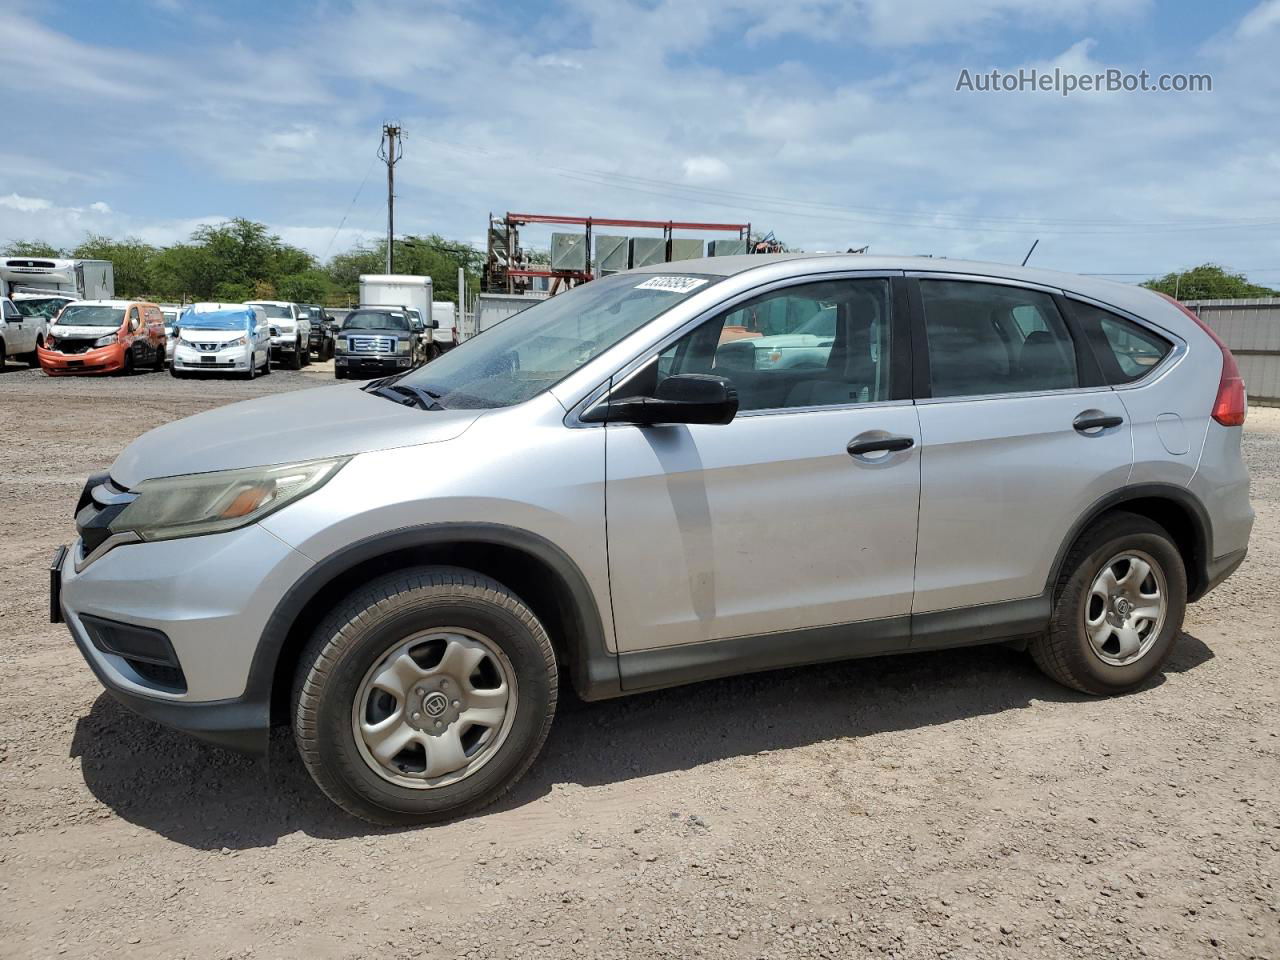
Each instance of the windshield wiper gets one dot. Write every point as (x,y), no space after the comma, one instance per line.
(412,396)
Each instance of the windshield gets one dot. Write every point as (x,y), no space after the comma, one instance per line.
(80,315)
(541,345)
(375,320)
(218,320)
(274,311)
(40,306)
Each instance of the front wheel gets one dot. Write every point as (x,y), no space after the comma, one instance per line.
(1118,609)
(426,694)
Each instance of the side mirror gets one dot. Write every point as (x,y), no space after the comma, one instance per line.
(684,398)
(433,323)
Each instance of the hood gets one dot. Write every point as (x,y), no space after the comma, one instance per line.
(61,330)
(199,335)
(304,425)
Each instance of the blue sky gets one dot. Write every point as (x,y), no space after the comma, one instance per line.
(834,123)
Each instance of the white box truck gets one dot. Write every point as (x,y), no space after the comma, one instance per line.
(402,290)
(82,279)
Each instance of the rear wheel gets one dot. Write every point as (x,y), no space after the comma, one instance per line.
(424,695)
(1118,609)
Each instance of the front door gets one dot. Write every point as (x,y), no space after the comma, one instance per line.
(1019,439)
(799,514)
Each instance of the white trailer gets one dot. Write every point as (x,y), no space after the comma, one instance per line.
(401,290)
(82,279)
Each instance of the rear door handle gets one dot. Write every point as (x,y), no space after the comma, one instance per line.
(1086,422)
(860,448)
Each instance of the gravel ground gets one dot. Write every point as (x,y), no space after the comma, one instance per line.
(949,804)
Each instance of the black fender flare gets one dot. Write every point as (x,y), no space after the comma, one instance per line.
(1201,528)
(593,668)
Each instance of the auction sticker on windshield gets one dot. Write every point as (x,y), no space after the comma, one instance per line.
(671,284)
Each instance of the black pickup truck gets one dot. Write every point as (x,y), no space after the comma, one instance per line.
(376,341)
(324,331)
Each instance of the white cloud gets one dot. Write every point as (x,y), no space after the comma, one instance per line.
(705,169)
(99,207)
(1260,20)
(23,204)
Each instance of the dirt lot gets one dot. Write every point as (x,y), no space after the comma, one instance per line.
(937,805)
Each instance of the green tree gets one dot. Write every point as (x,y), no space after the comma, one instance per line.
(130,258)
(30,248)
(432,256)
(306,286)
(184,272)
(1208,282)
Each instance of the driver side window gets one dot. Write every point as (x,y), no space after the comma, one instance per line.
(811,345)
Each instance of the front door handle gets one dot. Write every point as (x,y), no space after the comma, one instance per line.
(1091,421)
(860,448)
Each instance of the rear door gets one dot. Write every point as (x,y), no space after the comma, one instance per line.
(1019,436)
(785,519)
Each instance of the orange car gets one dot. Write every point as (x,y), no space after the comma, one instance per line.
(104,336)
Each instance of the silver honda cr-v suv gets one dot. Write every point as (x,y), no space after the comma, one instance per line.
(610,488)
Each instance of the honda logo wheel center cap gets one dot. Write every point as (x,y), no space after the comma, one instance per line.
(434,704)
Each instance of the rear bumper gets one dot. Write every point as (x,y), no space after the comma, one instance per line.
(102,360)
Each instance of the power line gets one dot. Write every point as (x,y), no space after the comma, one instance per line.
(350,207)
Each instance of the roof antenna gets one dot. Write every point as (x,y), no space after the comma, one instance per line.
(1030,252)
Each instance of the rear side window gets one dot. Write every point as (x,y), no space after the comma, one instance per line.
(986,338)
(1126,351)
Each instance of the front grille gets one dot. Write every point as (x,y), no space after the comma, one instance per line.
(207,347)
(63,345)
(373,344)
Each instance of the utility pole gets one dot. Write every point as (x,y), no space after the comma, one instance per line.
(390,150)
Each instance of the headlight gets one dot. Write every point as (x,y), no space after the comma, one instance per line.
(340,345)
(106,341)
(285,328)
(402,346)
(239,342)
(203,503)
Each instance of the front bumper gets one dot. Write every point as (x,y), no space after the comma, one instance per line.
(362,363)
(229,359)
(100,360)
(211,597)
(284,343)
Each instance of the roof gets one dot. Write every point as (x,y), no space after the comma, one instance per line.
(107,303)
(1126,296)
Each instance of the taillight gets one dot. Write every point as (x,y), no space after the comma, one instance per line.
(1230,405)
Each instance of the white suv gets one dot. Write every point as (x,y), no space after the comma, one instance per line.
(21,332)
(290,332)
(407,570)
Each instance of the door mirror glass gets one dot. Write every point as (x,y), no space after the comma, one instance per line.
(683,398)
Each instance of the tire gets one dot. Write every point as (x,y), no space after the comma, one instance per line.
(158,362)
(1066,652)
(295,360)
(176,373)
(33,358)
(304,353)
(127,369)
(339,375)
(253,368)
(354,643)
(266,364)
